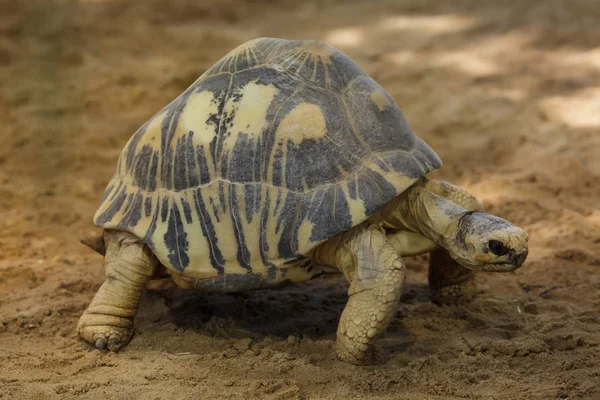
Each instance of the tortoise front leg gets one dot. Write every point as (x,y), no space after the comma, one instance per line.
(108,321)
(376,274)
(450,282)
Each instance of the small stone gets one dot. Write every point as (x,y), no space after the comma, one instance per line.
(242,344)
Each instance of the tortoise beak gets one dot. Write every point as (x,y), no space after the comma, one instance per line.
(515,261)
(518,258)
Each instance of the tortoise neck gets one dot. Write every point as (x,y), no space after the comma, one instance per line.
(422,211)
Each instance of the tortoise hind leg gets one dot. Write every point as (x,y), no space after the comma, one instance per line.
(376,274)
(450,282)
(108,321)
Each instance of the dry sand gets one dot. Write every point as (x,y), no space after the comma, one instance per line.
(507,94)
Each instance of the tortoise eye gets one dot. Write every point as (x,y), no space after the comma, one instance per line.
(497,247)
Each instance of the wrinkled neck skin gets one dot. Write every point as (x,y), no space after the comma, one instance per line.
(427,213)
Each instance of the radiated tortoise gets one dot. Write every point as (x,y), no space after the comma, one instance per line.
(280,162)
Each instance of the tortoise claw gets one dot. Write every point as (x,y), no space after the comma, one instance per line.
(114,344)
(100,343)
(104,333)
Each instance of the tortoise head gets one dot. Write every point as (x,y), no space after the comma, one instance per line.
(488,243)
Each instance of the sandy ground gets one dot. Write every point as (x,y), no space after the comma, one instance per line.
(508,95)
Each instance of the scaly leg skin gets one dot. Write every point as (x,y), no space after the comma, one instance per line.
(376,274)
(108,321)
(450,282)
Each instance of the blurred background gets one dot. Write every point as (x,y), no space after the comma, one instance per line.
(507,93)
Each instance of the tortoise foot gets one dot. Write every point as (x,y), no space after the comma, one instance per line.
(352,352)
(459,293)
(111,335)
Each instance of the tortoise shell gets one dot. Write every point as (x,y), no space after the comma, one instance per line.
(281,145)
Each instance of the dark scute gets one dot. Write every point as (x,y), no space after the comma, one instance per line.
(208,230)
(116,191)
(113,208)
(153,171)
(406,164)
(271,272)
(164,125)
(281,103)
(345,69)
(277,167)
(134,212)
(142,166)
(164,209)
(375,191)
(263,146)
(176,240)
(352,190)
(218,85)
(317,162)
(168,128)
(213,150)
(329,214)
(220,156)
(148,206)
(151,229)
(225,165)
(167,162)
(250,200)
(321,70)
(301,215)
(256,177)
(381,130)
(241,168)
(277,204)
(215,209)
(310,164)
(204,172)
(243,255)
(342,215)
(415,164)
(180,164)
(426,156)
(107,192)
(187,211)
(381,165)
(266,75)
(222,201)
(131,147)
(288,241)
(190,155)
(264,244)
